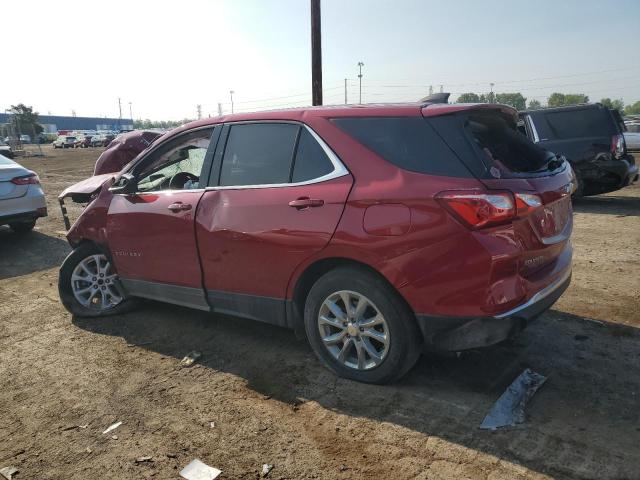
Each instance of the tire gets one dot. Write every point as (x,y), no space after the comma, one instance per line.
(22,227)
(106,304)
(580,190)
(401,333)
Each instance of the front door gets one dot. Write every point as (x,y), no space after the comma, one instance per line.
(279,194)
(151,233)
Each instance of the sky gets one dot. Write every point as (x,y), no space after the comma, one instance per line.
(163,58)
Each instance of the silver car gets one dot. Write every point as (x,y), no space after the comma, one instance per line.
(21,197)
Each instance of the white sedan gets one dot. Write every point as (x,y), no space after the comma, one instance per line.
(22,200)
(632,139)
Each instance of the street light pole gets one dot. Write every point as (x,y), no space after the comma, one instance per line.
(130,113)
(360,65)
(231,92)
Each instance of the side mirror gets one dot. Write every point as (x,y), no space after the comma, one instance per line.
(126,184)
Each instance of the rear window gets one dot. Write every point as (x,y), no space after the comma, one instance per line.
(410,143)
(503,148)
(590,122)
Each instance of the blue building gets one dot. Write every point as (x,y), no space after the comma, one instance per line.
(53,123)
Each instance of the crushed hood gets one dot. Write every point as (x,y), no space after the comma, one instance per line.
(83,190)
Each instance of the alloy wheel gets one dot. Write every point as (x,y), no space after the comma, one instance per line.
(353,330)
(95,285)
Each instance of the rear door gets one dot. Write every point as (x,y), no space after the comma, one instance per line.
(151,233)
(579,134)
(277,193)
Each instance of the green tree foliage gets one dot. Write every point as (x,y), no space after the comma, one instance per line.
(617,104)
(24,120)
(561,99)
(469,98)
(633,109)
(534,104)
(146,124)
(516,100)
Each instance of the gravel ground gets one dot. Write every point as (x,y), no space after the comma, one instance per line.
(64,380)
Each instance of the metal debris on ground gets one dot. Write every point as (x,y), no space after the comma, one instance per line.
(144,459)
(266,469)
(212,424)
(190,359)
(509,409)
(8,472)
(197,470)
(112,427)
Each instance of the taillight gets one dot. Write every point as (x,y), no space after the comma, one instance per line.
(31,179)
(617,146)
(527,203)
(479,210)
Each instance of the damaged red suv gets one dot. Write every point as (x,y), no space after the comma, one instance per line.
(378,230)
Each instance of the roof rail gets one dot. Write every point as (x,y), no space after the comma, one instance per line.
(441,97)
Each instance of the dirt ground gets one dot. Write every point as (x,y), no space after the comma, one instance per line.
(64,380)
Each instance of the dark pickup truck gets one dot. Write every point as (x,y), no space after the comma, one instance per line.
(591,137)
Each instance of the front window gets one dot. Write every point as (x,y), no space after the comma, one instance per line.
(176,165)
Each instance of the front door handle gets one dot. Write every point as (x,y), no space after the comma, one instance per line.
(306,202)
(179,207)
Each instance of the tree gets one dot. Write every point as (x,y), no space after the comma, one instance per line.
(516,100)
(24,120)
(534,104)
(146,124)
(633,109)
(469,98)
(561,99)
(614,104)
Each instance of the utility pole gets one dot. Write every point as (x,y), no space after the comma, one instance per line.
(130,112)
(360,65)
(231,93)
(491,94)
(430,89)
(199,109)
(219,109)
(441,88)
(345,91)
(316,53)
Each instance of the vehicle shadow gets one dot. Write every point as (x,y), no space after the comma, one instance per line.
(30,252)
(583,423)
(610,205)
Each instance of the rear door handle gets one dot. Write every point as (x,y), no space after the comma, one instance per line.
(179,207)
(306,202)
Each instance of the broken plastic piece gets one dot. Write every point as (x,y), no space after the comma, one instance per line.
(509,409)
(266,469)
(112,427)
(190,359)
(197,470)
(8,472)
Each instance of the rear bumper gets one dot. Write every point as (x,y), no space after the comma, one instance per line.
(28,207)
(455,334)
(618,173)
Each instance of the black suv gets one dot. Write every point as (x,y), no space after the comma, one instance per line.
(591,137)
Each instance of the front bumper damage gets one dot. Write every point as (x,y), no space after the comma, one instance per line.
(82,192)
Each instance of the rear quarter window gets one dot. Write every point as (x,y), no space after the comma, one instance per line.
(410,143)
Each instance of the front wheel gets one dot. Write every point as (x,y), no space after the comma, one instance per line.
(89,286)
(360,328)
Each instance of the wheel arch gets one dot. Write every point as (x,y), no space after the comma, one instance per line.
(311,274)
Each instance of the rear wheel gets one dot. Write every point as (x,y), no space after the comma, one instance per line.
(22,227)
(360,328)
(89,286)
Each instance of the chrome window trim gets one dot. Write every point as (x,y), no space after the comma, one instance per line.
(532,127)
(339,170)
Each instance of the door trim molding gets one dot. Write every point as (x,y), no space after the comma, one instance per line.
(176,294)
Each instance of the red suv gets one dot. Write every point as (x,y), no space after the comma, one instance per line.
(378,230)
